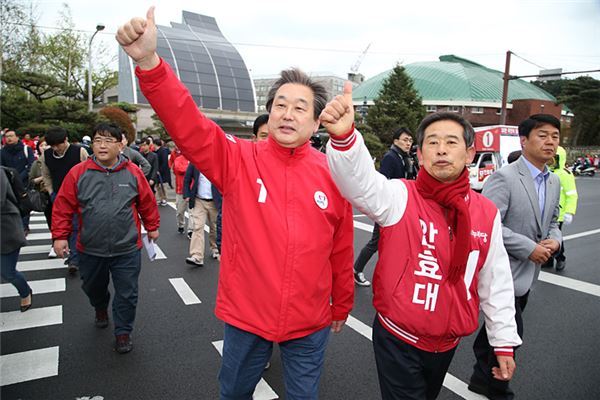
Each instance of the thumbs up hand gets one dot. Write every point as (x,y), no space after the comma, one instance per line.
(338,115)
(138,38)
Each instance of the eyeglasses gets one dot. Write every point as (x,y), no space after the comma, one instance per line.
(105,141)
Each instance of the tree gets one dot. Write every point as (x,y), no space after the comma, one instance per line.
(397,104)
(44,76)
(157,130)
(120,118)
(582,95)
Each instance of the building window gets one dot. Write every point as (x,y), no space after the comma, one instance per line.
(477,110)
(454,108)
(498,111)
(431,109)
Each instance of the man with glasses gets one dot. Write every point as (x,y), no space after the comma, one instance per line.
(111,198)
(397,163)
(57,161)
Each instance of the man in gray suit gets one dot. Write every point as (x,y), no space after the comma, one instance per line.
(527,195)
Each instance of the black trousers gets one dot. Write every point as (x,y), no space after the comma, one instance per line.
(367,252)
(486,358)
(406,372)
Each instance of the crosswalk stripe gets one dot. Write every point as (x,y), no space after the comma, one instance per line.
(38,287)
(39,236)
(38,227)
(363,226)
(184,291)
(37,218)
(28,365)
(37,249)
(262,391)
(451,382)
(39,265)
(570,283)
(33,318)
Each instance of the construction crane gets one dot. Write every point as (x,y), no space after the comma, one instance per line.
(353,75)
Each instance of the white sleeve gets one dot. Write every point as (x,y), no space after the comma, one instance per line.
(496,293)
(352,169)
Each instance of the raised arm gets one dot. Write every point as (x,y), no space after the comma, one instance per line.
(352,169)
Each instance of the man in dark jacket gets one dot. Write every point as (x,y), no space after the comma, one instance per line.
(198,192)
(397,163)
(57,162)
(107,193)
(16,155)
(152,160)
(164,172)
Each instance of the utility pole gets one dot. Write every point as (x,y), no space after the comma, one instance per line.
(505,88)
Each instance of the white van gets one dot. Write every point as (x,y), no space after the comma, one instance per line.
(493,144)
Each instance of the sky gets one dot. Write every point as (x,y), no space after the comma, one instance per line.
(330,36)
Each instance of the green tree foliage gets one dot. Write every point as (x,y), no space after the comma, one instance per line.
(120,118)
(398,104)
(157,130)
(44,75)
(582,96)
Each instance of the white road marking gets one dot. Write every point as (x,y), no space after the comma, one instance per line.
(570,283)
(581,234)
(184,291)
(363,226)
(33,318)
(451,382)
(38,287)
(37,218)
(38,249)
(38,265)
(39,236)
(38,227)
(28,365)
(262,391)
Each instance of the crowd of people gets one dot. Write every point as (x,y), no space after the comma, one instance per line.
(445,251)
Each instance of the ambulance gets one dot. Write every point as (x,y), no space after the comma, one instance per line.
(493,144)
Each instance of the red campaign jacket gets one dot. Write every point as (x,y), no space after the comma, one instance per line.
(411,292)
(179,165)
(287,252)
(108,206)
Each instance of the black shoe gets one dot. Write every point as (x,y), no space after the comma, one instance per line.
(28,306)
(479,388)
(101,319)
(549,263)
(123,343)
(180,230)
(189,235)
(73,269)
(560,265)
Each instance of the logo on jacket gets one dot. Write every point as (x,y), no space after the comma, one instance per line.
(478,234)
(321,199)
(230,138)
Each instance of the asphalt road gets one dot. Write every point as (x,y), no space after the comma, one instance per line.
(54,351)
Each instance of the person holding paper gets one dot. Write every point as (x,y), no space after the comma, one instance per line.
(110,198)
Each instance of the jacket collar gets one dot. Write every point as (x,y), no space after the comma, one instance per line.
(286,153)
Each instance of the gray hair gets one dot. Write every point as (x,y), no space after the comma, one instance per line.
(468,132)
(296,76)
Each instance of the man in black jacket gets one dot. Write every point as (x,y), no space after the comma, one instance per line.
(397,163)
(16,155)
(153,161)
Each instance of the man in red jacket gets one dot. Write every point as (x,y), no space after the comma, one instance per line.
(286,264)
(441,254)
(109,197)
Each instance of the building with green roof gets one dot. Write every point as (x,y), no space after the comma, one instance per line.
(463,86)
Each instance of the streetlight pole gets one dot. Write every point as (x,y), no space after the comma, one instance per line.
(99,28)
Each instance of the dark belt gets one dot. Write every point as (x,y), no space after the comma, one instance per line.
(205,199)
